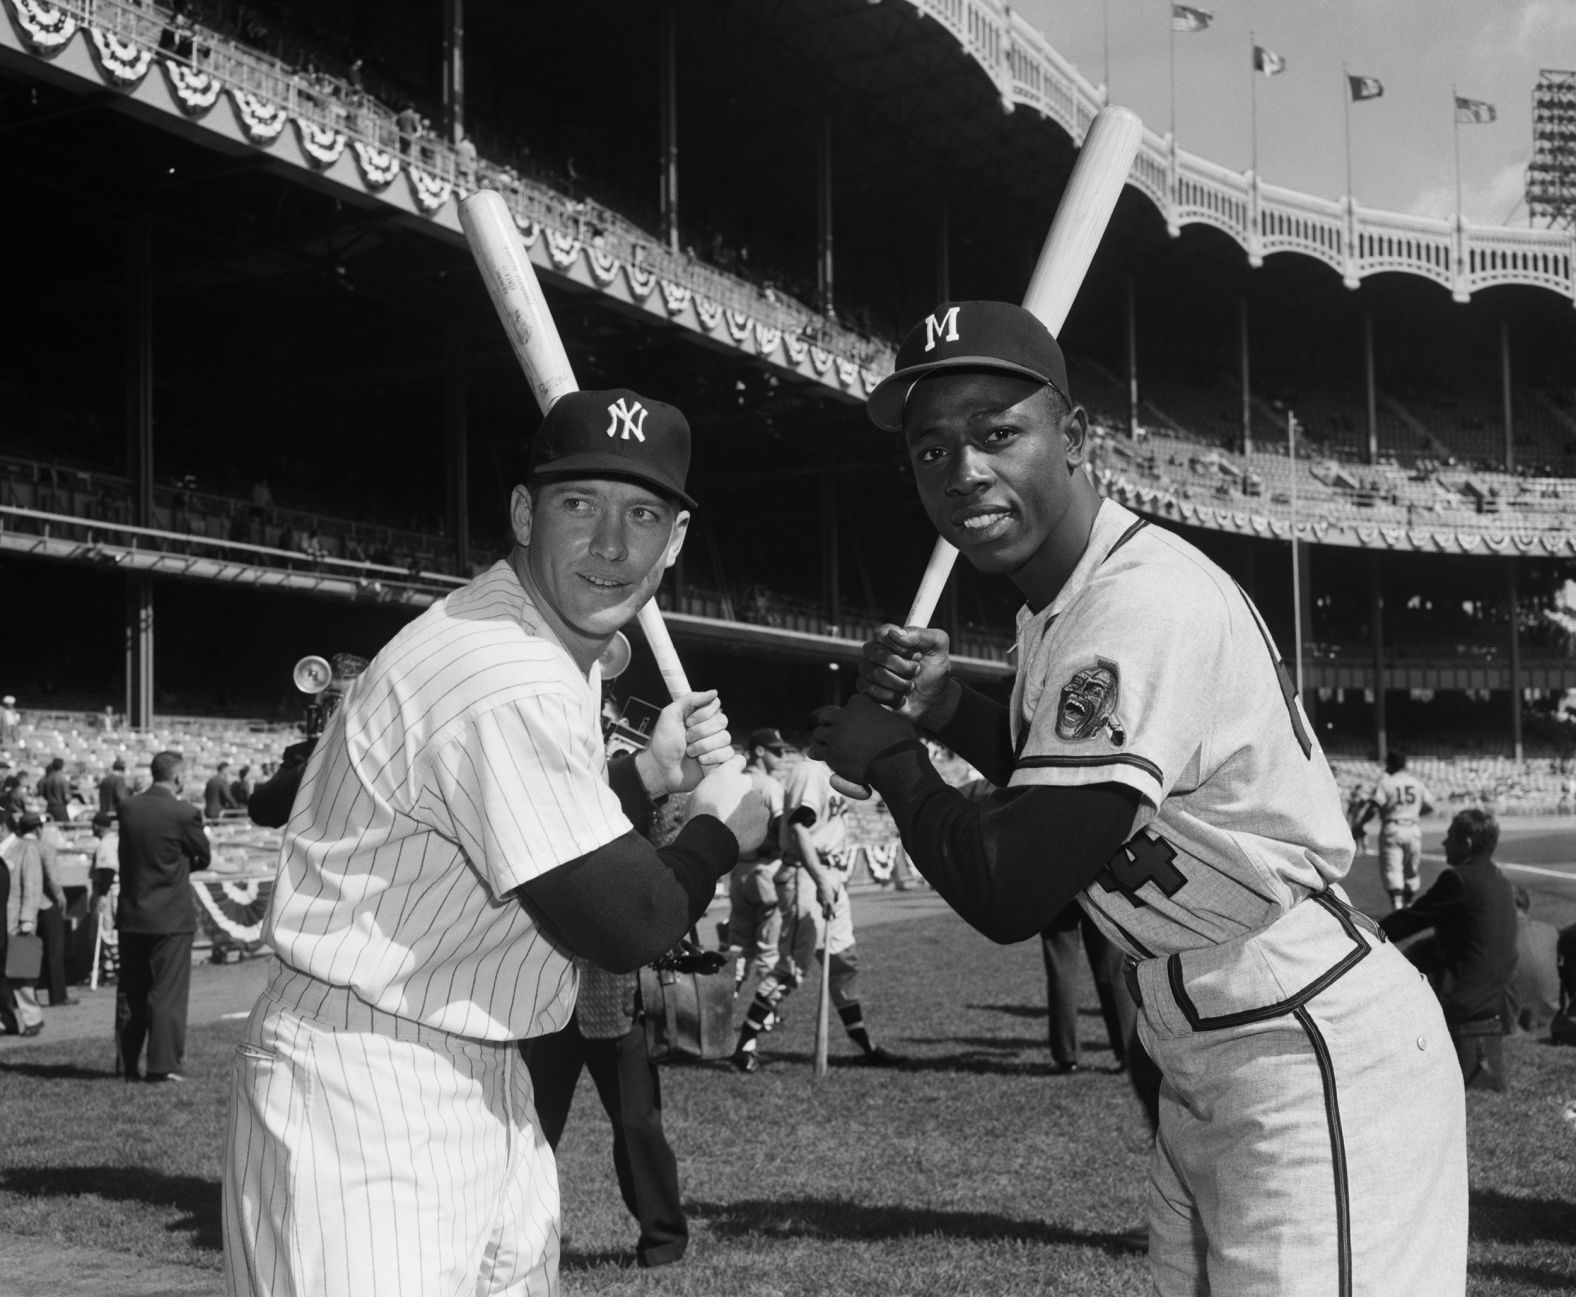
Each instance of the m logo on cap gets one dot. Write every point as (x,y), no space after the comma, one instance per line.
(633,418)
(946,328)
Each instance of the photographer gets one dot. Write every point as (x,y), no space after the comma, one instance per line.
(271,801)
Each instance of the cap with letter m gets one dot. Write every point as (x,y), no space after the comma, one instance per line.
(968,335)
(614,433)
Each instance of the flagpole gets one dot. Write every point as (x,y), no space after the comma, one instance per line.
(1171,26)
(1253,97)
(1455,121)
(1346,100)
(1105,24)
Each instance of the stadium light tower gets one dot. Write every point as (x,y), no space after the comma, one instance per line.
(1551,175)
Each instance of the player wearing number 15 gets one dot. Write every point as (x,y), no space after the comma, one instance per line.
(1399,797)
(1155,764)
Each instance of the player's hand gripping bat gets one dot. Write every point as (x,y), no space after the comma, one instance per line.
(517,296)
(1098,175)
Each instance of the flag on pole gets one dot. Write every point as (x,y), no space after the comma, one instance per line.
(1365,88)
(1185,18)
(1474,111)
(1267,61)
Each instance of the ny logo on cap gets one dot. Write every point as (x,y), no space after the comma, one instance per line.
(633,418)
(946,328)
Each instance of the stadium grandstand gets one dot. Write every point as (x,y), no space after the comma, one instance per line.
(256,403)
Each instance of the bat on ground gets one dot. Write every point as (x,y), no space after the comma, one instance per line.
(1103,165)
(823,1007)
(522,308)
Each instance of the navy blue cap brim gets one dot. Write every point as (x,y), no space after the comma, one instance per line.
(884,406)
(619,466)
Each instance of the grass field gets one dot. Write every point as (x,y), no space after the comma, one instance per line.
(973,1170)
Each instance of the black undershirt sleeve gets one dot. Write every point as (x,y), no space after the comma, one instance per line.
(979,733)
(625,903)
(633,798)
(1010,862)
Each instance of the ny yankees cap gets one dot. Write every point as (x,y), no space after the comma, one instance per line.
(968,335)
(615,433)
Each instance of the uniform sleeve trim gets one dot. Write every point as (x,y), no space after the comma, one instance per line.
(1111,759)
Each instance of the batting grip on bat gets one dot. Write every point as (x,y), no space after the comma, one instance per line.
(1101,170)
(522,309)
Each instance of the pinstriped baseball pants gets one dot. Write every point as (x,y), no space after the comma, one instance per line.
(1312,1134)
(369,1154)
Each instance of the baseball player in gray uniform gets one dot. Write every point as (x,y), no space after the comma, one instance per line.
(1155,763)
(459,837)
(1398,797)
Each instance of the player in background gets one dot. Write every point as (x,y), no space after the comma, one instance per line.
(458,839)
(1399,797)
(754,919)
(1155,764)
(817,917)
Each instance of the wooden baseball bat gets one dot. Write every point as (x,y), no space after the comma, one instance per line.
(823,1008)
(1101,170)
(522,308)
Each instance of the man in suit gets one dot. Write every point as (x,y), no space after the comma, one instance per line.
(113,788)
(161,841)
(1472,909)
(216,795)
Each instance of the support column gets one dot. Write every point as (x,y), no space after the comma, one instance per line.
(1130,319)
(1513,591)
(456,441)
(1310,700)
(1376,617)
(453,70)
(831,586)
(943,249)
(139,463)
(1370,386)
(668,123)
(823,219)
(1247,391)
(1504,386)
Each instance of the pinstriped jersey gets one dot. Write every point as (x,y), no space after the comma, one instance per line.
(1400,797)
(1153,669)
(467,760)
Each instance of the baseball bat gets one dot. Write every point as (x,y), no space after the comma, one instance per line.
(823,1008)
(522,309)
(1099,173)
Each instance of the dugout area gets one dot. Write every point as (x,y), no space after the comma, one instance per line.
(192,313)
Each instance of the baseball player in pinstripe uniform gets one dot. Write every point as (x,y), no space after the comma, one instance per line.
(458,838)
(1156,764)
(1399,797)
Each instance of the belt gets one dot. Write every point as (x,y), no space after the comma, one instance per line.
(1178,980)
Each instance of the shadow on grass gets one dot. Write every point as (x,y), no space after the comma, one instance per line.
(838,1219)
(1524,1273)
(57,1072)
(573,1258)
(196,1199)
(1505,1218)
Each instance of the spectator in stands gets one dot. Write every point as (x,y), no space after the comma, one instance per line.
(465,155)
(10,720)
(18,1001)
(1535,994)
(161,842)
(113,788)
(216,795)
(241,788)
(55,789)
(1471,960)
(13,800)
